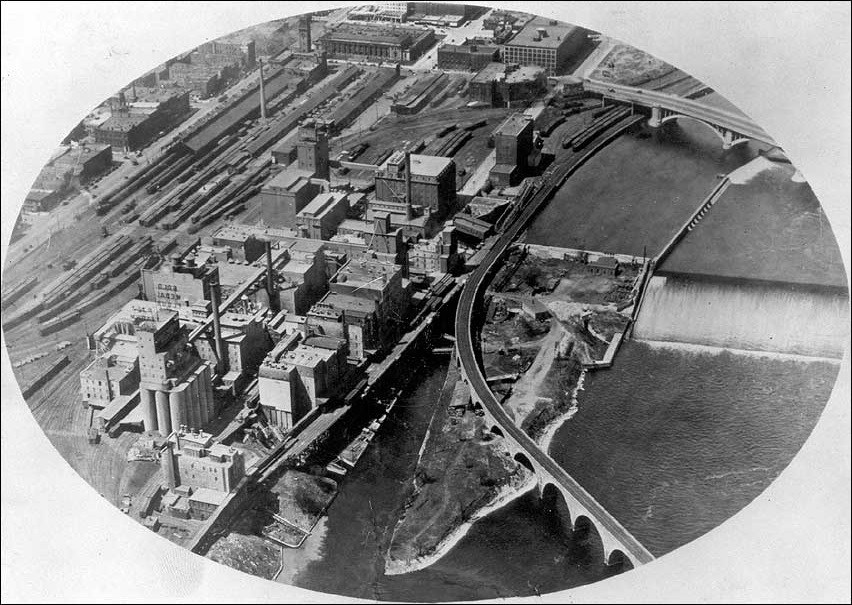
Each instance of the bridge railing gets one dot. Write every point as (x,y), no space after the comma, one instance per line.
(688,107)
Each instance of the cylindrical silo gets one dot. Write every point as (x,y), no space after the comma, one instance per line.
(149,409)
(164,422)
(177,401)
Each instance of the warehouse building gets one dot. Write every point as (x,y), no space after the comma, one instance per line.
(296,377)
(320,218)
(382,43)
(513,141)
(508,85)
(545,42)
(472,55)
(136,121)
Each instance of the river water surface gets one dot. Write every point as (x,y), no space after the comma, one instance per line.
(691,438)
(517,550)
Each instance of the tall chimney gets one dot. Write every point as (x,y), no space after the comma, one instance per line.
(221,365)
(262,94)
(305,33)
(270,279)
(408,184)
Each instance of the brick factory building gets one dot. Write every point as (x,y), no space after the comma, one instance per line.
(138,118)
(513,141)
(433,184)
(320,218)
(367,42)
(297,376)
(180,284)
(508,85)
(366,305)
(545,42)
(473,55)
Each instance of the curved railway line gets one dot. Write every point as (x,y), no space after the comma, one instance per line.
(467,337)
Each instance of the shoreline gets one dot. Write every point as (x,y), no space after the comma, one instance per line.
(550,431)
(507,493)
(716,350)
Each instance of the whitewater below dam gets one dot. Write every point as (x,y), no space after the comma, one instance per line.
(756,316)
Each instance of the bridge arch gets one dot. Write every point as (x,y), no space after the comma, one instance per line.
(522,459)
(618,560)
(725,136)
(556,509)
(587,542)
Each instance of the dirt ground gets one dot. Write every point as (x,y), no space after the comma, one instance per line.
(630,66)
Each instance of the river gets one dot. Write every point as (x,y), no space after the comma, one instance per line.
(635,193)
(517,550)
(692,435)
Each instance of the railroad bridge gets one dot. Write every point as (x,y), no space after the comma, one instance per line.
(580,511)
(731,127)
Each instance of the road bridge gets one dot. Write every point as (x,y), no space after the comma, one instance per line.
(733,128)
(579,511)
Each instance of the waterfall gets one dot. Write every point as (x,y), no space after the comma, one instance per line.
(751,316)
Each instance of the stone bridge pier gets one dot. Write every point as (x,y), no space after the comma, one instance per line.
(576,521)
(729,138)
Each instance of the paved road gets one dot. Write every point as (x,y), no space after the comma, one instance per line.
(734,121)
(470,362)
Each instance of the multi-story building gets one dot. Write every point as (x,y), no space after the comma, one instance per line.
(513,141)
(115,370)
(312,148)
(245,344)
(508,85)
(368,42)
(134,124)
(394,12)
(432,184)
(68,169)
(545,42)
(175,387)
(320,218)
(473,55)
(199,473)
(367,305)
(179,284)
(436,255)
(296,376)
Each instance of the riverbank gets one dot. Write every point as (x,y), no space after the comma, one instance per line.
(463,473)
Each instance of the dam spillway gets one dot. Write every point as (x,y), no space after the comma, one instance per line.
(761,271)
(760,316)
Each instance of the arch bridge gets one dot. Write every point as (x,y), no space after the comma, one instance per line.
(731,127)
(581,511)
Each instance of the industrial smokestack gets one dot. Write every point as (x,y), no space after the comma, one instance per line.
(262,94)
(408,184)
(221,366)
(305,33)
(270,280)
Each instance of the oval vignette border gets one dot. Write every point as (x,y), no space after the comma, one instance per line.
(693,572)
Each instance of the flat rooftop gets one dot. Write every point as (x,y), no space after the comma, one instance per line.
(306,356)
(766,228)
(514,124)
(347,302)
(322,203)
(556,33)
(422,165)
(290,179)
(375,34)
